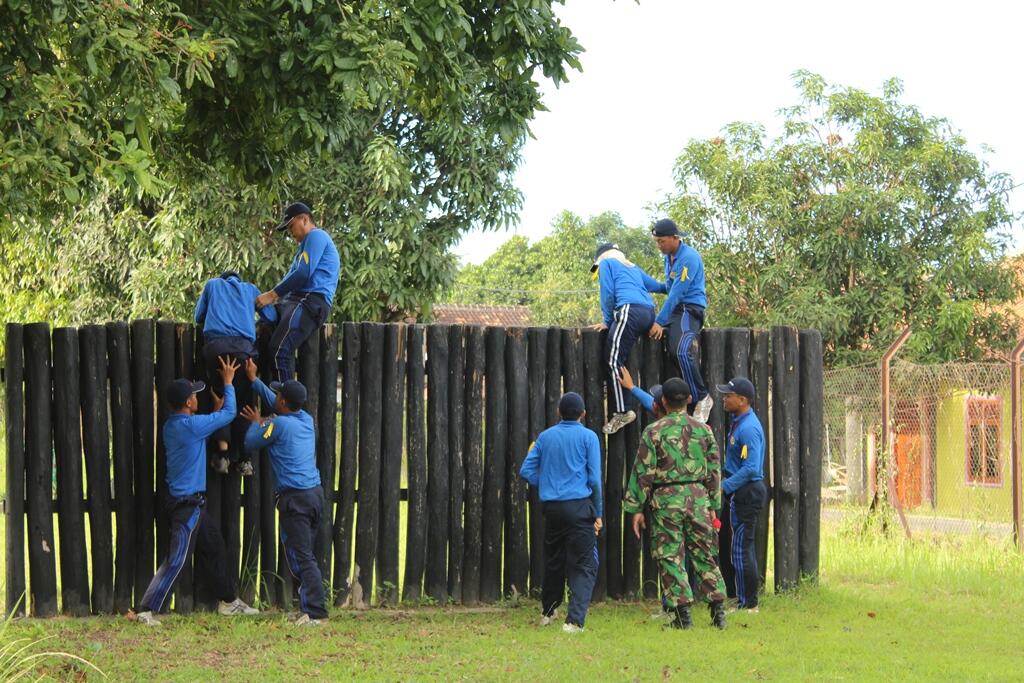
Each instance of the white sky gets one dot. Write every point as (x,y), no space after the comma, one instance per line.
(662,72)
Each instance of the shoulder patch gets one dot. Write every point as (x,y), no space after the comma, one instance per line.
(305,256)
(269,430)
(743,453)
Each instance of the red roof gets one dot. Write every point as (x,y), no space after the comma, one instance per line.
(482,314)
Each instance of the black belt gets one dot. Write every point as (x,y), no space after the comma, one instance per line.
(663,484)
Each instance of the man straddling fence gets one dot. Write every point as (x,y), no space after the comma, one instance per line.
(628,312)
(564,463)
(677,472)
(683,310)
(191,528)
(290,438)
(744,484)
(305,295)
(227,311)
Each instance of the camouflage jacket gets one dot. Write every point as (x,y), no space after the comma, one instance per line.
(677,455)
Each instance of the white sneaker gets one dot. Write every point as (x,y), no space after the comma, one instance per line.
(147,619)
(571,628)
(618,421)
(702,411)
(546,619)
(660,614)
(306,620)
(235,608)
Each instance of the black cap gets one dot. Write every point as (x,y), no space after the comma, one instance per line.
(675,390)
(293,210)
(607,246)
(666,228)
(571,406)
(292,391)
(655,392)
(230,273)
(738,385)
(179,390)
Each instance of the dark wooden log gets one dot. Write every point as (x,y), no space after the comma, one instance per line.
(308,372)
(436,580)
(231,521)
(474,463)
(95,439)
(660,364)
(553,379)
(143,441)
(537,339)
(517,550)
(185,366)
(572,361)
(595,375)
(713,352)
(812,427)
(496,445)
(166,352)
(369,462)
(67,442)
(786,455)
(124,476)
(760,372)
(270,583)
(645,376)
(327,442)
(391,463)
(344,519)
(39,471)
(249,578)
(416,459)
(14,421)
(736,364)
(456,458)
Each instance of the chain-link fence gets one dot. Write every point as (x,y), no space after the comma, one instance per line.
(950,445)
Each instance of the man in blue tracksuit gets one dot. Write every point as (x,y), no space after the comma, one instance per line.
(564,463)
(191,529)
(227,311)
(628,311)
(290,438)
(744,485)
(683,310)
(307,291)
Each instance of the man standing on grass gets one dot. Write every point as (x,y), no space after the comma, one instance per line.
(683,310)
(564,463)
(744,484)
(290,438)
(305,295)
(192,529)
(677,472)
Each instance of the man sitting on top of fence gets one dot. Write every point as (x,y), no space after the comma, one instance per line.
(185,435)
(227,311)
(290,438)
(307,290)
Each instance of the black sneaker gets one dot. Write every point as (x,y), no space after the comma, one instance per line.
(718,615)
(681,618)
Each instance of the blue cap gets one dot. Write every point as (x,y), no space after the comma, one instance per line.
(179,390)
(292,391)
(571,406)
(655,392)
(738,385)
(293,210)
(607,246)
(666,227)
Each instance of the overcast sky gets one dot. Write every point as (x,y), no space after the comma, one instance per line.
(662,72)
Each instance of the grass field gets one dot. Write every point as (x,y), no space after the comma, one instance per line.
(885,609)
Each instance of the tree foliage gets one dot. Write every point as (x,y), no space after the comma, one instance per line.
(553,276)
(863,216)
(145,146)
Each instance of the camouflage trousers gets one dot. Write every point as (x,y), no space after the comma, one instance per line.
(681,524)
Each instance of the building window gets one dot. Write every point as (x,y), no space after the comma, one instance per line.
(984,428)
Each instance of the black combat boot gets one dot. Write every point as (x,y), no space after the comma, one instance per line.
(718,615)
(681,619)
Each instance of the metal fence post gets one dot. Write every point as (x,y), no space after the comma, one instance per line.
(1015,439)
(887,441)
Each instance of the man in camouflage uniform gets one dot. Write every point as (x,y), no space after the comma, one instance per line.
(678,471)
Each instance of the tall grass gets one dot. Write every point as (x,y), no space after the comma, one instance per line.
(20,658)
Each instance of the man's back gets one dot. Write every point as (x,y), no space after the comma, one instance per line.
(227,308)
(565,463)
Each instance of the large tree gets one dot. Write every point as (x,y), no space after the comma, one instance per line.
(864,215)
(145,146)
(552,276)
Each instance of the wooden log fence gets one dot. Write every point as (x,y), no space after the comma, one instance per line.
(430,420)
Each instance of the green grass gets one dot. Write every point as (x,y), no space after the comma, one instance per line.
(884,609)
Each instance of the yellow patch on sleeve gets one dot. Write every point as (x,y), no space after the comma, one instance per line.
(743,453)
(685,273)
(305,256)
(270,430)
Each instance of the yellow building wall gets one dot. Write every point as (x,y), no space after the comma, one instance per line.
(954,495)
